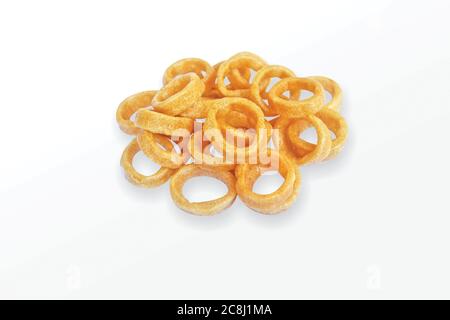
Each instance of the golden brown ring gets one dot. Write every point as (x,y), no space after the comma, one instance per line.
(154,180)
(204,208)
(296,108)
(179,94)
(129,106)
(334,89)
(161,123)
(259,85)
(335,122)
(247,174)
(213,132)
(225,69)
(150,144)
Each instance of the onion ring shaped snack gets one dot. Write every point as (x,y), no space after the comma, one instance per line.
(296,108)
(238,125)
(200,109)
(321,150)
(334,89)
(150,144)
(200,151)
(212,128)
(334,122)
(129,106)
(204,208)
(225,69)
(154,180)
(242,75)
(240,78)
(247,174)
(179,94)
(200,67)
(259,85)
(162,123)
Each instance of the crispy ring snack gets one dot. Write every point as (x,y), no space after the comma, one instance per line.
(183,66)
(320,151)
(150,144)
(200,109)
(334,122)
(296,108)
(205,208)
(247,175)
(219,140)
(259,85)
(154,180)
(200,150)
(162,123)
(236,124)
(236,63)
(179,94)
(234,120)
(129,106)
(240,78)
(334,89)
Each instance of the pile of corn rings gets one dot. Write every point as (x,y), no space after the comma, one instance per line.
(232,121)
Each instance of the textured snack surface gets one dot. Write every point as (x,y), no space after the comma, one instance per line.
(234,121)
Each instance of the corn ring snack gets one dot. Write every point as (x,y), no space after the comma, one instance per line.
(266,203)
(334,122)
(200,67)
(200,150)
(240,78)
(296,108)
(150,144)
(321,150)
(163,124)
(129,106)
(236,123)
(274,208)
(154,180)
(179,94)
(243,106)
(200,109)
(259,85)
(238,62)
(204,208)
(334,89)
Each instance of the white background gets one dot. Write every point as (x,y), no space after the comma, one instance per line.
(373,223)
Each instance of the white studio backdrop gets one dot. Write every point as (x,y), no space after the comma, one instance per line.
(372,223)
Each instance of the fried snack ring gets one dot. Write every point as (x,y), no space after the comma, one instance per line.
(259,85)
(275,208)
(200,109)
(154,180)
(320,151)
(240,75)
(150,144)
(266,203)
(244,106)
(334,89)
(161,123)
(204,208)
(236,123)
(240,78)
(334,121)
(200,150)
(129,106)
(179,94)
(296,108)
(226,68)
(200,67)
